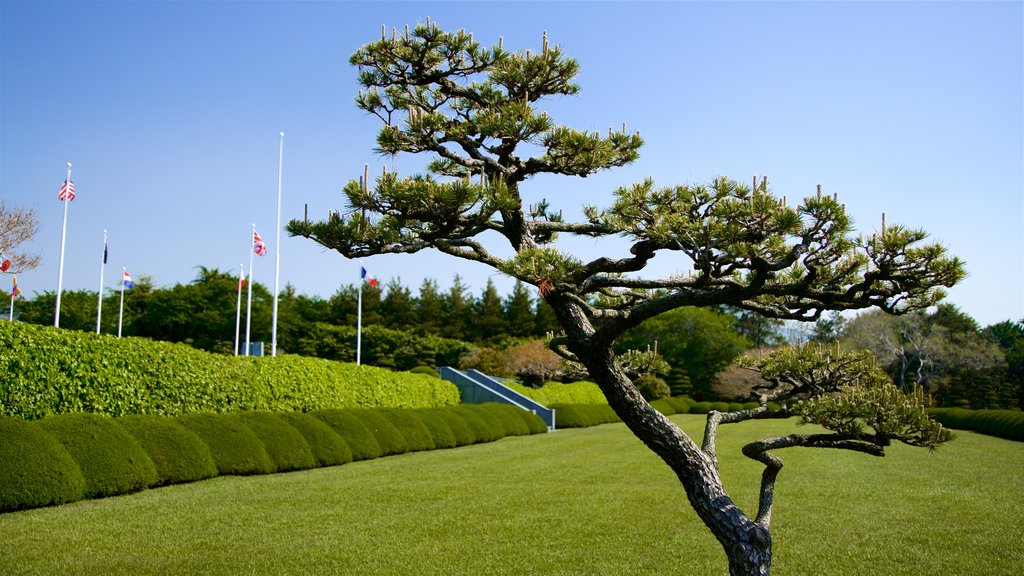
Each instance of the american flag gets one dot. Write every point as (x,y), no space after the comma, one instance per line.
(67,191)
(258,245)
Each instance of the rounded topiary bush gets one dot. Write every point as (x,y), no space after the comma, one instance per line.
(701,408)
(360,439)
(111,460)
(327,446)
(440,432)
(720,406)
(285,445)
(417,435)
(664,406)
(179,455)
(428,370)
(680,404)
(35,468)
(235,448)
(534,423)
(572,416)
(483,429)
(461,430)
(508,423)
(390,439)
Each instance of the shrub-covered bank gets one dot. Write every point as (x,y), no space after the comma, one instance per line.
(73,456)
(45,371)
(1007,424)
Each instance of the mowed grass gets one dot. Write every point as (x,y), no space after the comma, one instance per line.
(583,501)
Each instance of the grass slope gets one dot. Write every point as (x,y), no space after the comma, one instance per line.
(582,501)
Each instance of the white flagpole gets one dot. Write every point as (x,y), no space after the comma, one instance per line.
(99,300)
(248,304)
(63,235)
(10,318)
(120,315)
(238,310)
(359,320)
(277,246)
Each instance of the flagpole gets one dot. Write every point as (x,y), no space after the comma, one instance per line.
(238,309)
(359,321)
(63,236)
(277,244)
(10,318)
(99,299)
(120,314)
(248,304)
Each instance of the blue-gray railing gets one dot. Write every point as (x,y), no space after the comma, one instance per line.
(477,388)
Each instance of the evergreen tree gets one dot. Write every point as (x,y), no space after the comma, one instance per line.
(519,316)
(397,309)
(457,307)
(488,318)
(430,312)
(545,322)
(476,110)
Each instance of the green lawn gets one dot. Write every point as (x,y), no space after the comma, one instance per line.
(582,501)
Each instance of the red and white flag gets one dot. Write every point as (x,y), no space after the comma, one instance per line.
(258,245)
(67,191)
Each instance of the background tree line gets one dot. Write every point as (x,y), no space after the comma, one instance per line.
(945,350)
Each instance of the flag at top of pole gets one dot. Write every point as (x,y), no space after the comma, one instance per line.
(67,191)
(367,278)
(259,247)
(127,280)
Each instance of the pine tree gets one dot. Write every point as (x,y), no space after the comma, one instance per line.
(476,110)
(397,308)
(457,309)
(518,313)
(429,308)
(488,318)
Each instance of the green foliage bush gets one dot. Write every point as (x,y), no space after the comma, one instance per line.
(720,406)
(327,446)
(558,393)
(701,408)
(417,435)
(1007,424)
(460,428)
(391,440)
(360,439)
(381,346)
(35,468)
(681,404)
(179,455)
(440,432)
(652,387)
(484,430)
(522,421)
(235,448)
(534,423)
(45,371)
(503,422)
(664,406)
(583,415)
(285,445)
(111,460)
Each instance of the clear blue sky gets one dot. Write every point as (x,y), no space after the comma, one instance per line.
(170,114)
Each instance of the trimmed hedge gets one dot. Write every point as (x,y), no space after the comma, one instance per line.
(501,414)
(1007,424)
(582,392)
(235,448)
(35,469)
(180,456)
(664,406)
(111,460)
(417,435)
(534,423)
(360,439)
(483,430)
(461,429)
(285,445)
(327,446)
(391,440)
(440,432)
(46,370)
(583,415)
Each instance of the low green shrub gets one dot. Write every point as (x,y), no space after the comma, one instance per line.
(534,423)
(1007,424)
(235,448)
(45,371)
(664,406)
(327,446)
(582,392)
(440,432)
(720,406)
(285,445)
(681,404)
(179,455)
(391,440)
(460,428)
(360,439)
(111,460)
(417,435)
(483,429)
(35,468)
(505,424)
(583,415)
(701,408)
(428,370)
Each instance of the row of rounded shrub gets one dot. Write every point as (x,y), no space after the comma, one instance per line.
(582,392)
(73,456)
(583,415)
(45,371)
(1007,424)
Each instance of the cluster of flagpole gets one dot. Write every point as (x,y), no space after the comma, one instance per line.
(257,248)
